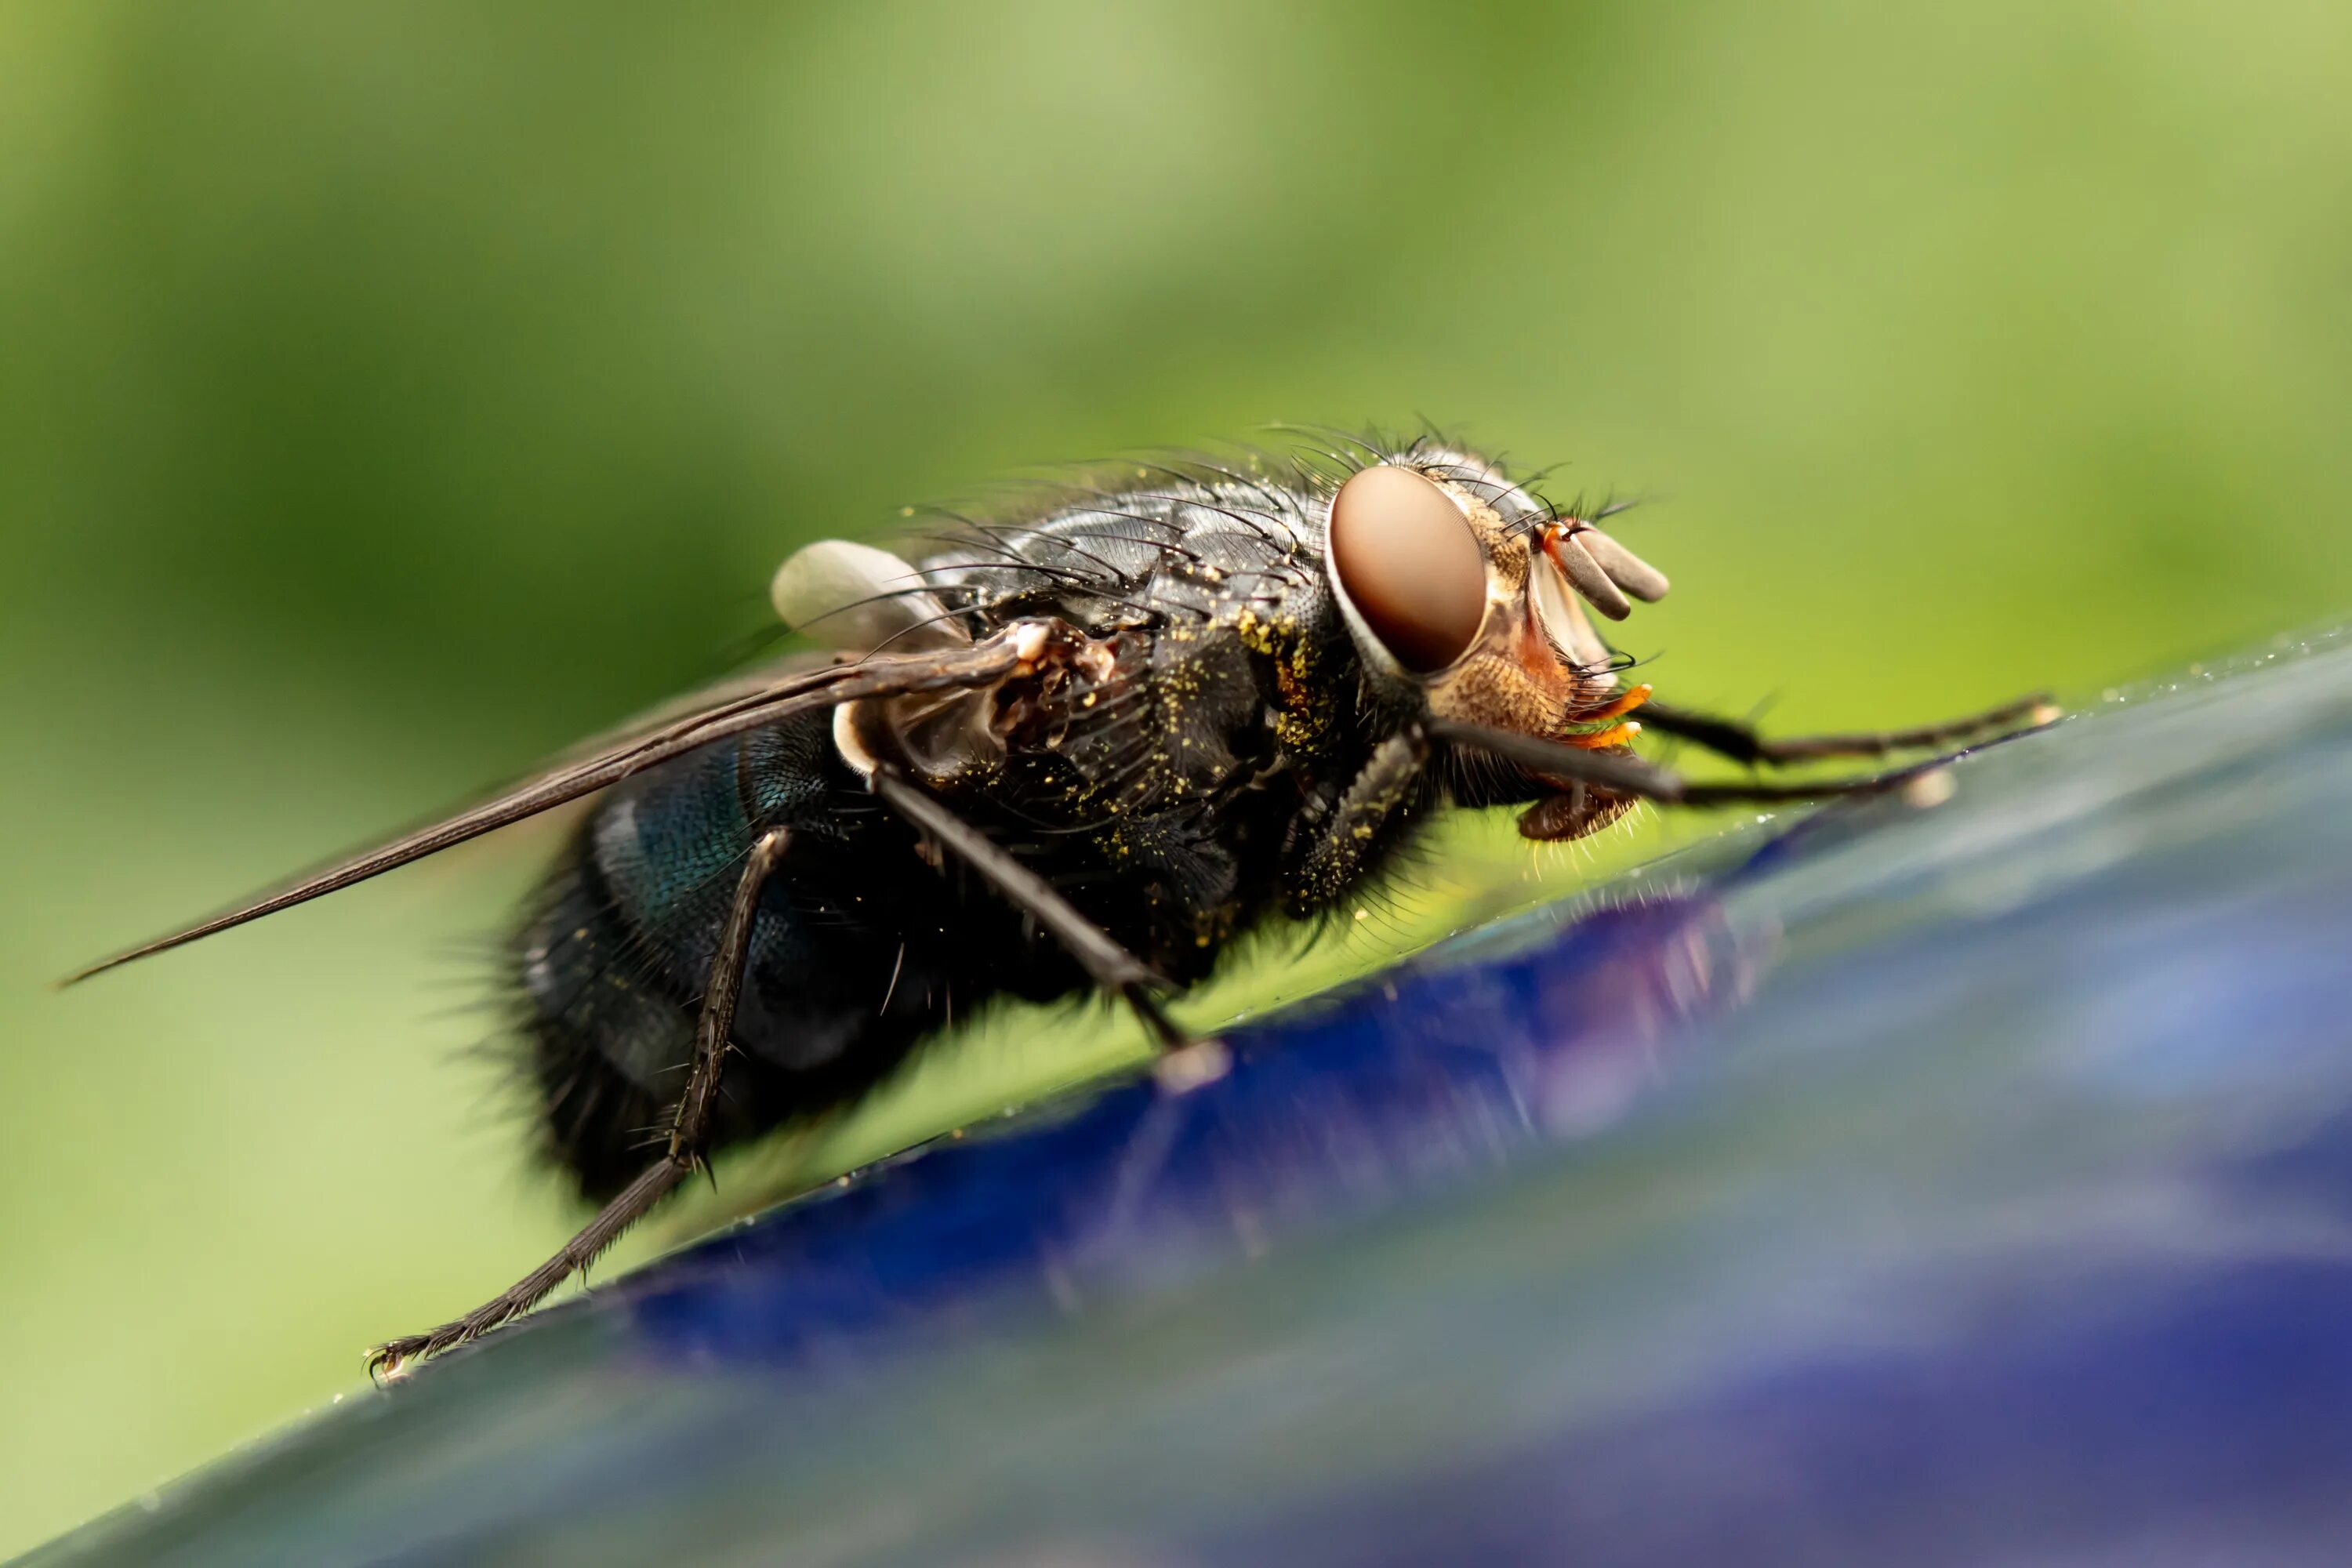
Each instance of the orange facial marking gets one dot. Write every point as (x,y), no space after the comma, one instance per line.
(1618,709)
(1615,735)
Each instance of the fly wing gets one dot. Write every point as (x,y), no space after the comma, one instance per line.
(691,704)
(729,708)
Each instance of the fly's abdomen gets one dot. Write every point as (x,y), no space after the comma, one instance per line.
(848,966)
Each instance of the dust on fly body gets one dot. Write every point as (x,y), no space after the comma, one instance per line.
(1079,748)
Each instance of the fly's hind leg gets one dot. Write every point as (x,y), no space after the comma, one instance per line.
(689,1129)
(1184,1062)
(1741,742)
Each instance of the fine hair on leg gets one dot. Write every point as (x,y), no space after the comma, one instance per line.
(1743,743)
(1115,970)
(688,1128)
(1628,775)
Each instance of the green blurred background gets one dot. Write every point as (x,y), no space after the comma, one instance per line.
(390,392)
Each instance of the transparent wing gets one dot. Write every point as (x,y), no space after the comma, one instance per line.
(729,708)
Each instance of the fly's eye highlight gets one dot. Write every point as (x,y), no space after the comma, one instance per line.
(1405,557)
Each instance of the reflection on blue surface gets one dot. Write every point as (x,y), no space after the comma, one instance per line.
(1971,1184)
(2196,1416)
(1439,1072)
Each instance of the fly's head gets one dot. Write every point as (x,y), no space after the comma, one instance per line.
(1465,588)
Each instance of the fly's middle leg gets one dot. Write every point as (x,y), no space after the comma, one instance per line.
(1184,1062)
(689,1129)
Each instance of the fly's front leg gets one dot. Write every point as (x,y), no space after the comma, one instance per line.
(1346,841)
(1622,775)
(1184,1063)
(689,1129)
(1741,742)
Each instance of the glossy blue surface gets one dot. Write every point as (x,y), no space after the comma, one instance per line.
(1964,1184)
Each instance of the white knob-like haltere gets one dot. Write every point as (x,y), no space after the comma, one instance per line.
(854,598)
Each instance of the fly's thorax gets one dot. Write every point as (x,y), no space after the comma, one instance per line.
(1257,618)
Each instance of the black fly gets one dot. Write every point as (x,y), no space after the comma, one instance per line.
(1151,712)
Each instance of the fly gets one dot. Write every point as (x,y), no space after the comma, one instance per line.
(1149,713)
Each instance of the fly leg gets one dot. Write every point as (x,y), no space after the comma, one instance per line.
(1183,1062)
(1346,841)
(1618,773)
(690,1126)
(1741,744)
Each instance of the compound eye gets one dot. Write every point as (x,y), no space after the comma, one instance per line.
(1407,561)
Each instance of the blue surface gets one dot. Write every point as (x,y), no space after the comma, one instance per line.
(1965,1184)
